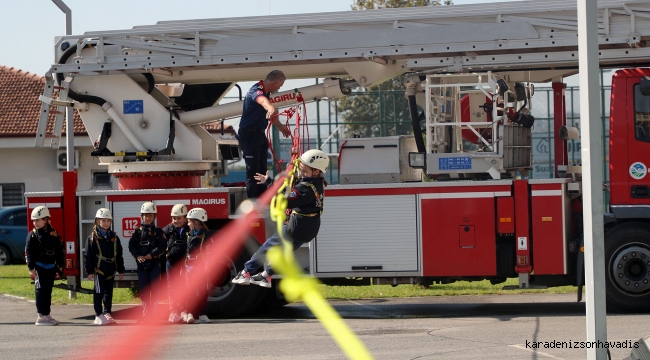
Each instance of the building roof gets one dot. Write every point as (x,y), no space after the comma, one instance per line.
(20,106)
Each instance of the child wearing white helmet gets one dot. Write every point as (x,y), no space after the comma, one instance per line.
(198,242)
(44,255)
(103,259)
(306,204)
(176,234)
(147,244)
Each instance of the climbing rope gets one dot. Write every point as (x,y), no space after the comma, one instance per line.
(295,286)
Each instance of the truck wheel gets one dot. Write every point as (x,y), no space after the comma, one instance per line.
(627,265)
(273,299)
(226,300)
(5,255)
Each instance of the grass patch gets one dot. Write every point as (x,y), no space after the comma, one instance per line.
(458,288)
(14,280)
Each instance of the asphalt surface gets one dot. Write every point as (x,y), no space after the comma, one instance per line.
(458,327)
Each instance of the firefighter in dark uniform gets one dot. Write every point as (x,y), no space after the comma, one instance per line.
(254,120)
(44,255)
(198,243)
(147,244)
(176,234)
(103,259)
(306,204)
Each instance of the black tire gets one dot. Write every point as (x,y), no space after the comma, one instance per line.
(627,268)
(5,255)
(273,298)
(226,300)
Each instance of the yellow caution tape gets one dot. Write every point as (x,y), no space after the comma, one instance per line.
(294,285)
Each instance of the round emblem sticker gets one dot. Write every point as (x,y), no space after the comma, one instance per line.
(638,170)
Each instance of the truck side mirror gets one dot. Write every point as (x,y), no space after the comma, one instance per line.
(644,86)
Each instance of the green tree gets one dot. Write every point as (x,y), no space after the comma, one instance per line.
(380,110)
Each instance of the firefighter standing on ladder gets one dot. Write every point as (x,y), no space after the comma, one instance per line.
(256,114)
(306,202)
(103,259)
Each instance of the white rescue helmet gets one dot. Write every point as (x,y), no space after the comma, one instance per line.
(40,212)
(198,214)
(148,208)
(179,210)
(316,159)
(103,213)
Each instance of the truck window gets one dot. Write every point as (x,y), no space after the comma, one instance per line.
(641,115)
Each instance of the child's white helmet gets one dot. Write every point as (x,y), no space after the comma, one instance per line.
(103,213)
(198,214)
(40,212)
(179,210)
(316,159)
(148,208)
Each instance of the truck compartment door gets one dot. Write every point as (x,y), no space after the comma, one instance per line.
(367,234)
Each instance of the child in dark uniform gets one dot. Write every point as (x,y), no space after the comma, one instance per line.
(306,204)
(176,234)
(198,243)
(44,255)
(147,244)
(103,259)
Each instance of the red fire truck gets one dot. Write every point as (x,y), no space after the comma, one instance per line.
(449,205)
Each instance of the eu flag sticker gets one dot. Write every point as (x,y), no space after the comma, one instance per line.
(133,107)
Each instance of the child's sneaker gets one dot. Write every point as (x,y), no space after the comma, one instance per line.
(100,320)
(203,319)
(261,280)
(52,320)
(175,318)
(43,321)
(109,318)
(243,278)
(189,318)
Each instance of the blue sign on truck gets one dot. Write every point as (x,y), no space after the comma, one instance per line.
(455,163)
(133,107)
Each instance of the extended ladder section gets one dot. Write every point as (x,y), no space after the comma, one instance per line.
(521,42)
(495,36)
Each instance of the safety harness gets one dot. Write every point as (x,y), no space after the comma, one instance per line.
(101,257)
(319,202)
(177,240)
(189,257)
(45,251)
(149,241)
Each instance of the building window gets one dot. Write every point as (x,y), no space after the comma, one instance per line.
(12,194)
(102,179)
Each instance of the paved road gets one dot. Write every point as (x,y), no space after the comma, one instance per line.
(459,327)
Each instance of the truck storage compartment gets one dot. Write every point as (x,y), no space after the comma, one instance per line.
(375,233)
(458,234)
(377,160)
(550,226)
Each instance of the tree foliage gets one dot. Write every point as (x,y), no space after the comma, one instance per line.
(380,110)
